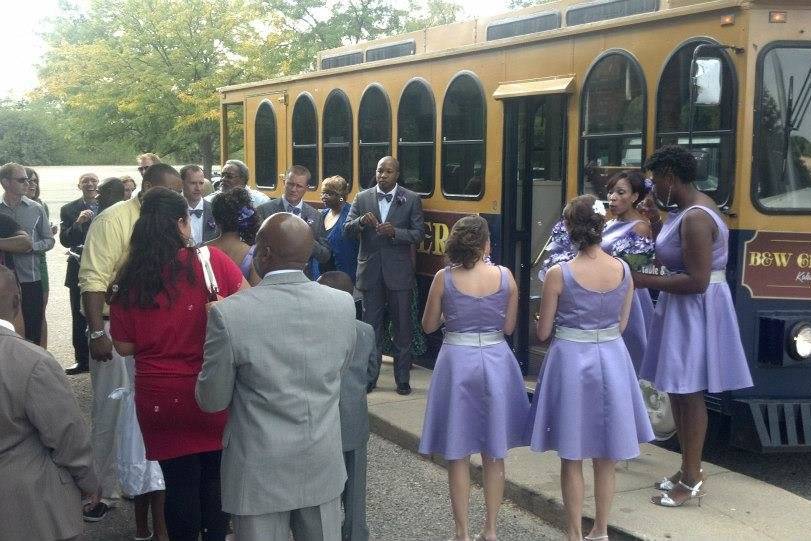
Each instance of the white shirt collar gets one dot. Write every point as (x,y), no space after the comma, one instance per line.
(281,271)
(377,186)
(200,205)
(7,325)
(288,205)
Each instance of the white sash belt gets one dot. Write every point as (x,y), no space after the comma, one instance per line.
(587,335)
(718,277)
(477,339)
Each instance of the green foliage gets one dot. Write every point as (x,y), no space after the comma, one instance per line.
(515,4)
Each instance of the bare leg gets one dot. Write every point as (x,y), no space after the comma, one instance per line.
(572,486)
(603,495)
(493,493)
(157,500)
(142,515)
(693,431)
(459,481)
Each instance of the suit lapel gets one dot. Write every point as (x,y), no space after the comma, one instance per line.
(373,203)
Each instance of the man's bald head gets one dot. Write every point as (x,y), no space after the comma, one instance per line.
(284,241)
(9,294)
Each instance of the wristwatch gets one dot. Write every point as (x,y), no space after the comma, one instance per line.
(96,334)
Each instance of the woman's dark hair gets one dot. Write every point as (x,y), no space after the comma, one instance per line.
(153,265)
(465,245)
(584,224)
(635,179)
(673,159)
(233,212)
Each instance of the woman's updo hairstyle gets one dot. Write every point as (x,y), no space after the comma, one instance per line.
(337,183)
(635,179)
(233,212)
(465,245)
(584,224)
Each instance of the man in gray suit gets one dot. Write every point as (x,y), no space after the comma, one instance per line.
(354,419)
(387,219)
(202,224)
(46,463)
(296,181)
(282,463)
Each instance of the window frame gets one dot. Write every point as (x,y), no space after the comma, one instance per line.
(275,150)
(582,137)
(417,144)
(314,175)
(483,141)
(757,135)
(372,87)
(732,132)
(337,93)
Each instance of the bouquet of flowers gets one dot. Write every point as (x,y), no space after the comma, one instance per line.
(559,248)
(635,250)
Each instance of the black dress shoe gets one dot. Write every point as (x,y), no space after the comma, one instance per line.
(77,369)
(95,513)
(403,389)
(370,387)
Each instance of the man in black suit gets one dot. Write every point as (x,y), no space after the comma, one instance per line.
(75,220)
(202,224)
(387,219)
(295,186)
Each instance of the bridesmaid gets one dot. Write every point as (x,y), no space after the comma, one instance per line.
(694,342)
(476,401)
(334,191)
(587,402)
(625,191)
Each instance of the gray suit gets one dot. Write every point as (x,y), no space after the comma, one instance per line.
(321,249)
(210,231)
(281,383)
(386,268)
(355,433)
(45,453)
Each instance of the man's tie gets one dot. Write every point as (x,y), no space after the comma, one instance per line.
(198,213)
(295,210)
(387,196)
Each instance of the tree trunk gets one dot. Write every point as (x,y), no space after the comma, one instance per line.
(207,153)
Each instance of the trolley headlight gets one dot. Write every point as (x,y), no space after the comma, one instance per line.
(799,341)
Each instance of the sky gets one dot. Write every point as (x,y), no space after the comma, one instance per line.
(24,21)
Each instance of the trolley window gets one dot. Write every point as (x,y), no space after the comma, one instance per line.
(374,133)
(781,180)
(416,126)
(713,125)
(463,138)
(265,146)
(337,140)
(305,136)
(612,121)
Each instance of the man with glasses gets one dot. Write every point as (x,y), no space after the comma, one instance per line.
(144,161)
(235,174)
(32,219)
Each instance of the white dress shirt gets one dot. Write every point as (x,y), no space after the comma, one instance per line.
(280,271)
(197,224)
(287,205)
(384,205)
(7,325)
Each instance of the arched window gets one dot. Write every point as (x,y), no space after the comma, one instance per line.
(463,138)
(305,136)
(416,126)
(265,147)
(337,140)
(374,133)
(612,121)
(713,125)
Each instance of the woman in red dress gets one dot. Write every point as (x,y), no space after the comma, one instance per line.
(158,314)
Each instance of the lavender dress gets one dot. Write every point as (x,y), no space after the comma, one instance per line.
(694,343)
(587,402)
(636,332)
(477,402)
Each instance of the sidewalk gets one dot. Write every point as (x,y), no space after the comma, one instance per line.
(737,507)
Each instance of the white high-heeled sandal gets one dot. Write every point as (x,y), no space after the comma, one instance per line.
(695,494)
(667,484)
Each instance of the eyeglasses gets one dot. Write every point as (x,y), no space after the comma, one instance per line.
(142,168)
(329,193)
(21,180)
(229,174)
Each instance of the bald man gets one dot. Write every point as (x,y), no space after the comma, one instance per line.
(282,462)
(47,462)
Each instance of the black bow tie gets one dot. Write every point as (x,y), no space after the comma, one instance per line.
(196,212)
(387,196)
(295,210)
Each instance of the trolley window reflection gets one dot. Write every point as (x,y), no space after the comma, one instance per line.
(374,133)
(305,136)
(416,126)
(782,180)
(613,120)
(265,146)
(338,136)
(463,138)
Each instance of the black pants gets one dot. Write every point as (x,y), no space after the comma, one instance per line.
(33,312)
(193,504)
(80,345)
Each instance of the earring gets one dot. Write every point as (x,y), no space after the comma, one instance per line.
(342,199)
(669,190)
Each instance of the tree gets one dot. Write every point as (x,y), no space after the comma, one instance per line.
(25,137)
(515,4)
